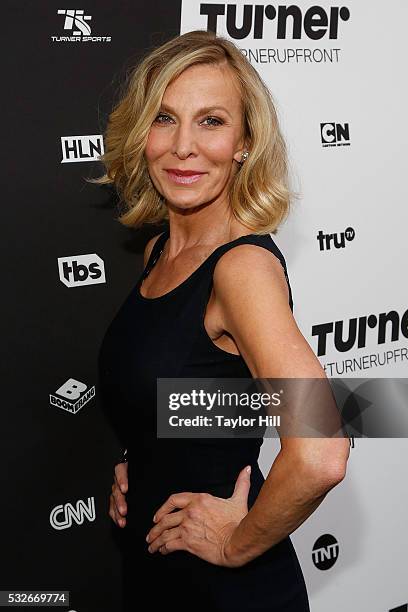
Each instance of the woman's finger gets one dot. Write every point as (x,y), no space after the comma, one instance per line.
(119,499)
(114,514)
(121,476)
(177,500)
(167,536)
(168,522)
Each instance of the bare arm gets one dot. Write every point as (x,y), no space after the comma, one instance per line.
(272,345)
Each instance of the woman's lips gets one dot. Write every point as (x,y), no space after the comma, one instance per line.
(183,179)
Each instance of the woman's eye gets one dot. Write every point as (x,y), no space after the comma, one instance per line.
(218,121)
(161,115)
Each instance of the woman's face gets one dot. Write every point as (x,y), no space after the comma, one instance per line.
(185,137)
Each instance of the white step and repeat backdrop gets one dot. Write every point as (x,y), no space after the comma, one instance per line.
(336,72)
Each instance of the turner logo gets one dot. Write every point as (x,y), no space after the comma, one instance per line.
(290,22)
(81,148)
(72,395)
(76,23)
(347,335)
(335,134)
(326,241)
(325,552)
(62,516)
(79,270)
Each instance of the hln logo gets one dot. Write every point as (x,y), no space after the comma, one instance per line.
(79,270)
(338,241)
(335,134)
(72,395)
(81,148)
(61,516)
(325,551)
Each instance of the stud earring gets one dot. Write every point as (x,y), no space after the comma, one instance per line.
(244,156)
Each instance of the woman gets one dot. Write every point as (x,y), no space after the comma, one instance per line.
(195,141)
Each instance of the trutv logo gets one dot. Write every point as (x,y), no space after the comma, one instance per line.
(326,241)
(79,270)
(290,21)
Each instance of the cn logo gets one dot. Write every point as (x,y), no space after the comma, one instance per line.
(62,516)
(79,270)
(335,134)
(325,552)
(72,395)
(76,19)
(337,240)
(81,148)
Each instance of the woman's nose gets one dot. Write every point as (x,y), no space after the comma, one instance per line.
(184,142)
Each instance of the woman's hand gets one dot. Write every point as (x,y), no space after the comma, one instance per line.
(203,526)
(117,500)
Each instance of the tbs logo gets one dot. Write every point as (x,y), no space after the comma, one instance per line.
(72,395)
(79,270)
(335,134)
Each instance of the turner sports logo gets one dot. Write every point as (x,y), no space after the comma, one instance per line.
(81,148)
(79,270)
(290,22)
(335,134)
(72,395)
(77,25)
(325,552)
(347,335)
(63,515)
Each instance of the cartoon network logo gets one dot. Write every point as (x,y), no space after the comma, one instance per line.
(63,515)
(81,148)
(76,23)
(72,396)
(335,134)
(79,270)
(290,22)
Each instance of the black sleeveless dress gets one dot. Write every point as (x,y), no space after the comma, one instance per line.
(166,337)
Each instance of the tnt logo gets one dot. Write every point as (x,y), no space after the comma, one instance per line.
(76,19)
(81,148)
(72,396)
(79,270)
(337,240)
(62,516)
(335,134)
(325,552)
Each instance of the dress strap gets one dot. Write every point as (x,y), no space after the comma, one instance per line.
(156,252)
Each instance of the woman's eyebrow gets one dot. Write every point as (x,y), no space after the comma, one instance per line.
(201,111)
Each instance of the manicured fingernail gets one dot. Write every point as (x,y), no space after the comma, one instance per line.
(150,549)
(248,469)
(147,538)
(154,519)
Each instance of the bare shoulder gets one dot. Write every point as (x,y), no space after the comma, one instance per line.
(149,247)
(250,269)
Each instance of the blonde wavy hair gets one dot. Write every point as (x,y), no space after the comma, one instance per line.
(260,195)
